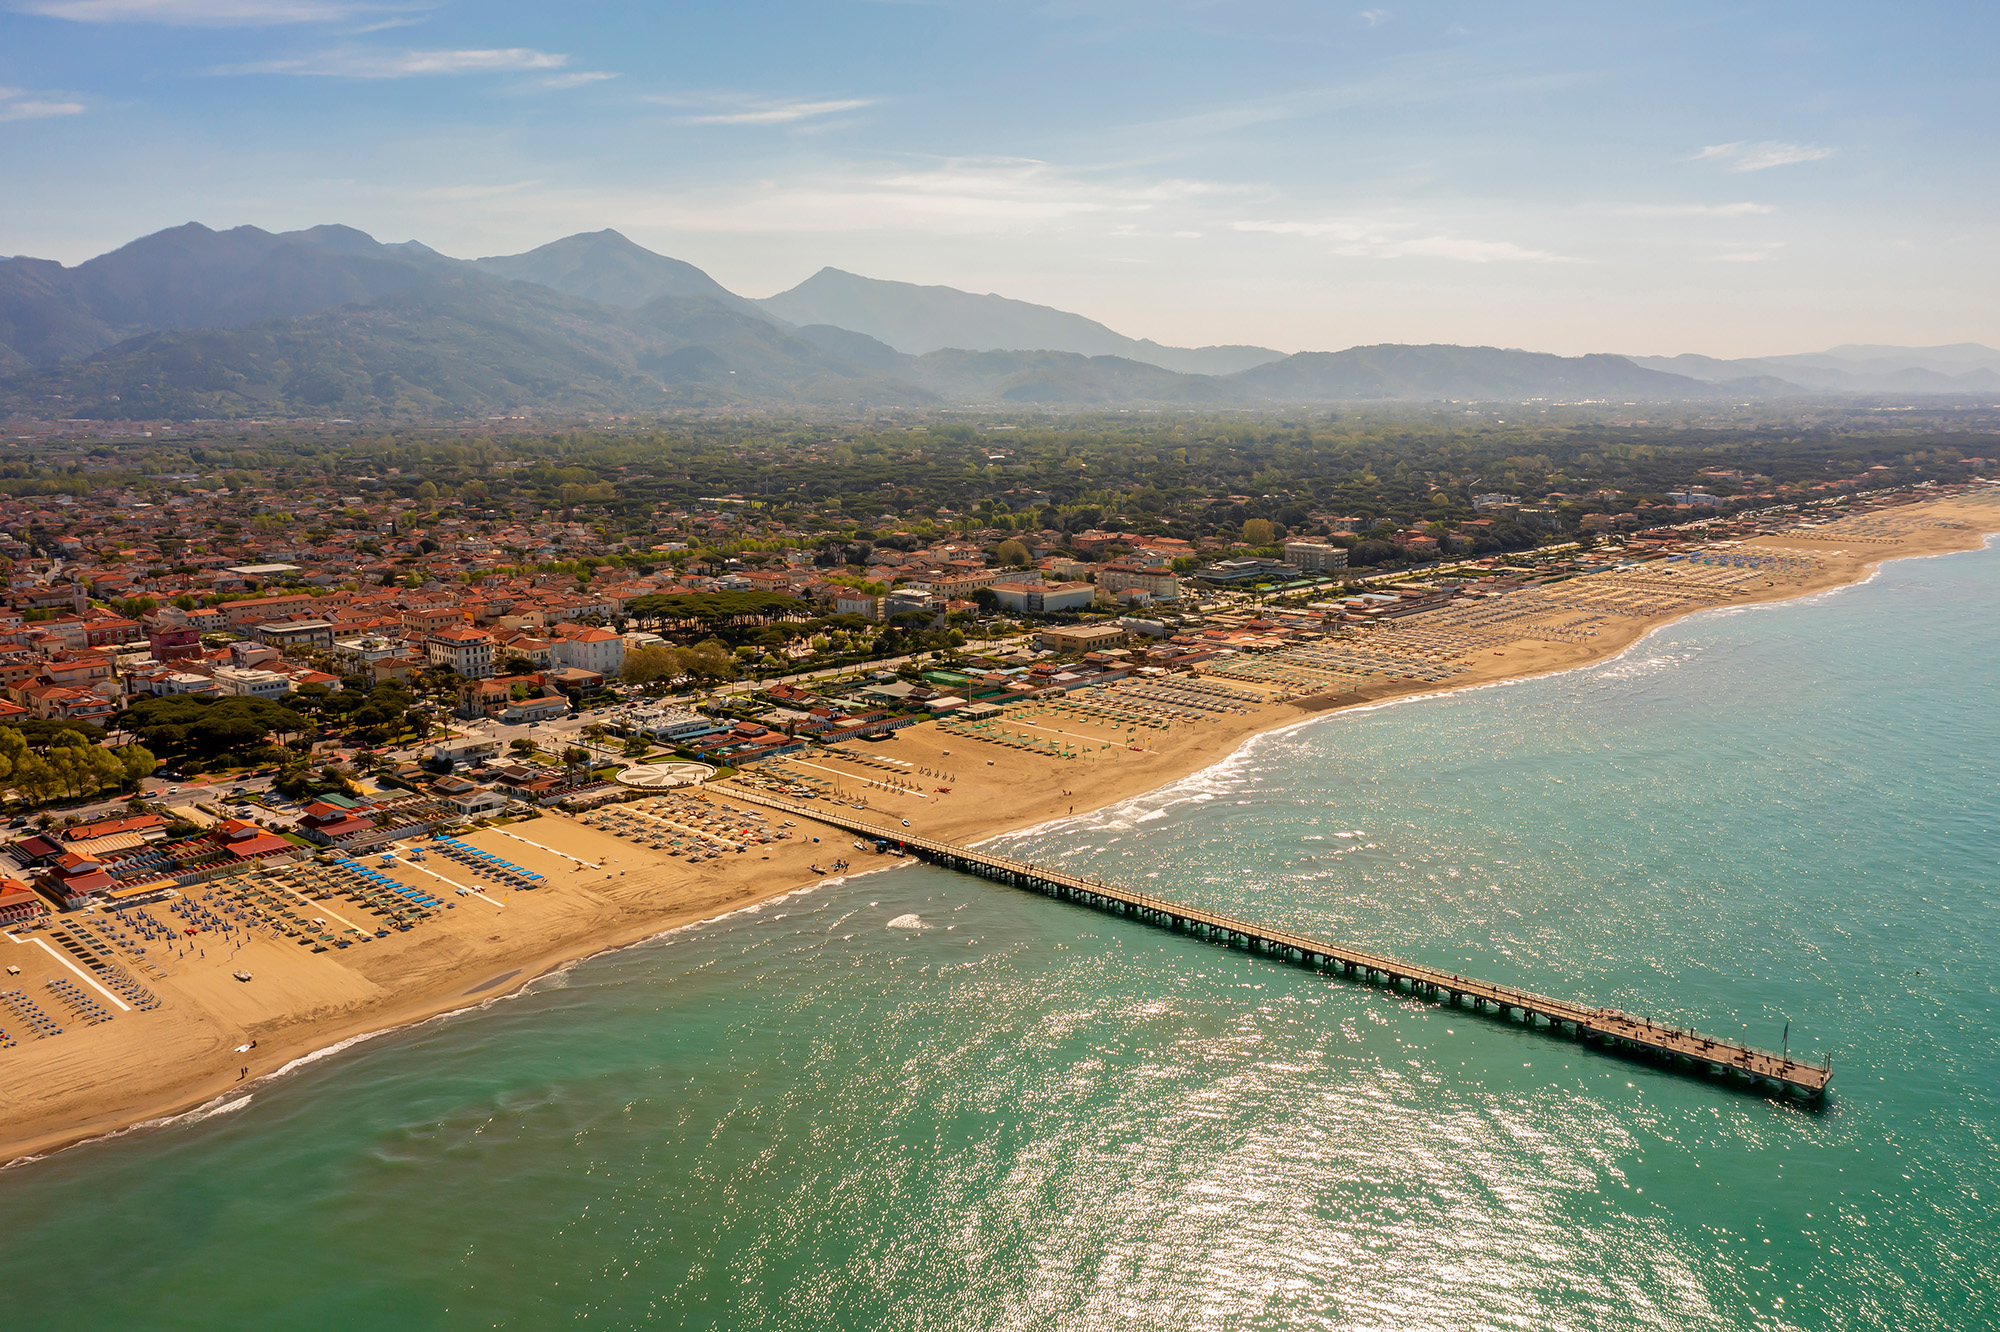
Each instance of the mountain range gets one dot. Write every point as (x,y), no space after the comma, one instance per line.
(192,322)
(918,319)
(1962,367)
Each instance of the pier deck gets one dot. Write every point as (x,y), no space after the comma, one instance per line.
(1681,1048)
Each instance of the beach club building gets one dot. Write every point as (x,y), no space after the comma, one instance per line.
(19,902)
(1078,639)
(74,878)
(245,841)
(356,826)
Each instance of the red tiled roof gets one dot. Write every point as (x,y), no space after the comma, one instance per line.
(83,832)
(264,844)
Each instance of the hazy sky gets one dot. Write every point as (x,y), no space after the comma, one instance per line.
(1733,179)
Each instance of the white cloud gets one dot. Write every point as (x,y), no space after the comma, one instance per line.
(15,104)
(1374,18)
(1371,238)
(197,13)
(1345,231)
(1748,253)
(980,197)
(1465,249)
(575,79)
(360,63)
(1697,210)
(38,110)
(1745,156)
(458,192)
(769,113)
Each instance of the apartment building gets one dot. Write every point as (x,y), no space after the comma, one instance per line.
(467,651)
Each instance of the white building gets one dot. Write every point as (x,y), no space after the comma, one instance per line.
(235,680)
(366,651)
(467,651)
(1315,557)
(1043,598)
(598,650)
(1157,582)
(541,651)
(544,708)
(669,724)
(468,750)
(479,800)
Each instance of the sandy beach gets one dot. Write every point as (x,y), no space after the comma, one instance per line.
(617,877)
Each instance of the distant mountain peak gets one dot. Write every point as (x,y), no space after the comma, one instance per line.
(612,269)
(919,319)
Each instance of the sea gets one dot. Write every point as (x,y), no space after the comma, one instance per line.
(913,1099)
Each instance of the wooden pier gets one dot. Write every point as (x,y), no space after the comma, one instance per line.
(1681,1049)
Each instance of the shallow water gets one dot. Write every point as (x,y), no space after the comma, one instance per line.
(1015,1113)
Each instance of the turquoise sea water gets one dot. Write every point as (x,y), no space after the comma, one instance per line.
(1027,1115)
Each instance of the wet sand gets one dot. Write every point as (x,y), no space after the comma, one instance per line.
(605,891)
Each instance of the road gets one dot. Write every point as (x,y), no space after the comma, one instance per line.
(552,736)
(885,664)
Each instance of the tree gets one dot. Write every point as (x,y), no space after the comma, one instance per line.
(524,746)
(1011,554)
(575,756)
(38,734)
(708,662)
(200,728)
(137,761)
(36,779)
(309,698)
(1259,532)
(650,665)
(516,664)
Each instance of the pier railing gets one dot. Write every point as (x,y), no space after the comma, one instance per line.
(1680,1047)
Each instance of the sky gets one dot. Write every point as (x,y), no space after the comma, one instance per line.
(1734,179)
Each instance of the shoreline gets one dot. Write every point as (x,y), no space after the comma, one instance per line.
(434,993)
